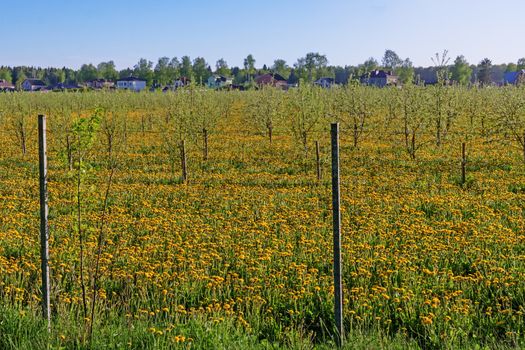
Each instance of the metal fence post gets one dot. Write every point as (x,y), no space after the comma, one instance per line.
(44,226)
(336,201)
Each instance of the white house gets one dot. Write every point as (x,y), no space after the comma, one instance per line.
(33,85)
(131,83)
(218,81)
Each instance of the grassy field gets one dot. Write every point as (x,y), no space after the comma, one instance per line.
(239,256)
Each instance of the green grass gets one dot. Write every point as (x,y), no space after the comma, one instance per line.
(27,330)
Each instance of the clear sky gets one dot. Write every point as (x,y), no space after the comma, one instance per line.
(71,32)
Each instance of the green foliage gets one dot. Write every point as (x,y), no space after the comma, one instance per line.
(85,131)
(200,71)
(521,64)
(442,69)
(485,71)
(391,60)
(351,107)
(87,72)
(312,66)
(186,68)
(280,67)
(414,116)
(405,73)
(162,74)
(5,74)
(221,67)
(25,330)
(369,65)
(107,70)
(307,107)
(144,70)
(461,71)
(249,67)
(264,109)
(511,67)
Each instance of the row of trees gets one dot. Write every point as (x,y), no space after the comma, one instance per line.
(166,70)
(413,116)
(308,68)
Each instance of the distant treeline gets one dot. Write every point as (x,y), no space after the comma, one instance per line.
(309,68)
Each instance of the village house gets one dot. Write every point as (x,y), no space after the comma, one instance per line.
(5,86)
(181,82)
(514,78)
(325,82)
(100,84)
(219,82)
(131,83)
(272,79)
(33,85)
(379,78)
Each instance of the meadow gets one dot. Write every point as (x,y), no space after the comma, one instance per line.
(237,254)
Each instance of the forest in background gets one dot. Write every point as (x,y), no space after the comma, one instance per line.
(308,68)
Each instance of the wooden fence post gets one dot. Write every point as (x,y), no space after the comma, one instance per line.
(336,201)
(463,164)
(183,161)
(44,226)
(318,160)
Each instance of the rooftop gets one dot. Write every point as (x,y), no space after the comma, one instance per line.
(130,79)
(36,82)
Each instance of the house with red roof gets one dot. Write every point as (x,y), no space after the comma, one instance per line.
(272,79)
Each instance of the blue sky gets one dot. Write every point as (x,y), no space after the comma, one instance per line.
(71,32)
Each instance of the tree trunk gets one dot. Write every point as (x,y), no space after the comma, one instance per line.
(305,144)
(183,161)
(406,132)
(110,146)
(356,135)
(523,145)
(205,137)
(23,139)
(69,153)
(438,131)
(413,146)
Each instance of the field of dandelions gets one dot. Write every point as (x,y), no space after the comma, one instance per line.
(238,255)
